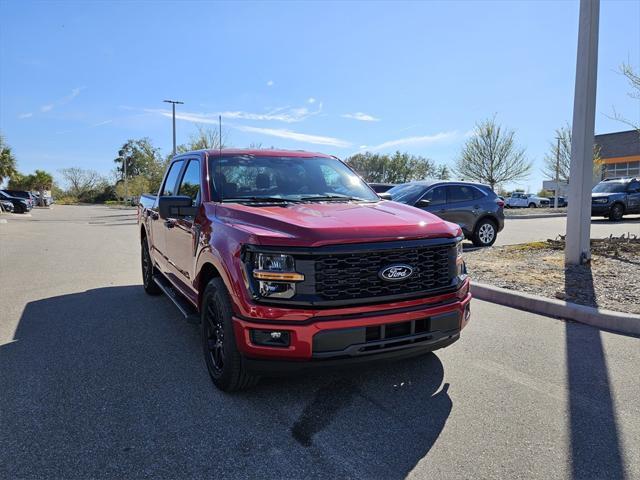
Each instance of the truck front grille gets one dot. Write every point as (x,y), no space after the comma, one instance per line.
(355,275)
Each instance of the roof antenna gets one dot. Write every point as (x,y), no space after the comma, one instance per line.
(220,157)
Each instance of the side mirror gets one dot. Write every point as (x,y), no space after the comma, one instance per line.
(385,196)
(422,203)
(176,206)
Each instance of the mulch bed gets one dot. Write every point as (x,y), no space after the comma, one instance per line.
(611,281)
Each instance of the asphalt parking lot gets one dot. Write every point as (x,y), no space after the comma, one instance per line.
(98,380)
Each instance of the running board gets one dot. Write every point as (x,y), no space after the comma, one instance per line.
(186,309)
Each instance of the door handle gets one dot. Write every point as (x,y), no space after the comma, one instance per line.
(169,223)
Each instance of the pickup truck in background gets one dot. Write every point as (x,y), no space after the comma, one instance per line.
(289,261)
(525,200)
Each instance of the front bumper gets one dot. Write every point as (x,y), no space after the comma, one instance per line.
(600,209)
(391,331)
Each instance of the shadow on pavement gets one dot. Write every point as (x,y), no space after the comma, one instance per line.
(595,441)
(111,383)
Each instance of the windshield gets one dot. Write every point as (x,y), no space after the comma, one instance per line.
(408,193)
(255,178)
(610,187)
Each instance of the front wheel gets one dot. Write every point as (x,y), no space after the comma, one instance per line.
(485,233)
(532,205)
(218,340)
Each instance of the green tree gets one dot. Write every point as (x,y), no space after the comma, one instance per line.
(41,181)
(443,173)
(491,156)
(396,168)
(18,181)
(141,158)
(136,186)
(7,161)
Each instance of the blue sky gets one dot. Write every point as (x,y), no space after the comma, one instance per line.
(77,79)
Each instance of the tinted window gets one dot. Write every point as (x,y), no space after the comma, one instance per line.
(172,177)
(478,194)
(634,186)
(459,193)
(408,193)
(609,187)
(294,178)
(190,184)
(436,196)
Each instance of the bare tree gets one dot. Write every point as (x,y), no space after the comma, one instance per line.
(560,159)
(207,139)
(80,181)
(634,82)
(491,156)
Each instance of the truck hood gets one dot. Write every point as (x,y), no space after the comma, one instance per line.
(316,224)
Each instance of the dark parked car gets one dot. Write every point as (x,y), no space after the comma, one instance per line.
(562,202)
(473,206)
(6,206)
(28,196)
(615,197)
(381,187)
(20,205)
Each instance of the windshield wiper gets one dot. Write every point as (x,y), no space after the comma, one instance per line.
(324,198)
(261,200)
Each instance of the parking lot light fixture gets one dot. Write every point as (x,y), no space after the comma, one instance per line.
(173,107)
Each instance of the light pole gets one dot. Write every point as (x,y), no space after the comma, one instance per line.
(578,241)
(173,106)
(555,199)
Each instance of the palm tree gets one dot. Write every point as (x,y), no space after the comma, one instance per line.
(7,161)
(41,181)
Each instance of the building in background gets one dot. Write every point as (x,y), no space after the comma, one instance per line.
(620,153)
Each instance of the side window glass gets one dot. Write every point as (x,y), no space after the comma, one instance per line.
(477,194)
(437,196)
(634,187)
(190,185)
(172,177)
(460,193)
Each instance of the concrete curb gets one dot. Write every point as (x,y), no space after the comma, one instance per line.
(541,215)
(606,319)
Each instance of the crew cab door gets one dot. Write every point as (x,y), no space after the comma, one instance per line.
(183,233)
(159,225)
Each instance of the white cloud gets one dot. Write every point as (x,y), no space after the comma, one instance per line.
(363,117)
(311,100)
(270,83)
(63,101)
(25,115)
(300,137)
(283,114)
(106,122)
(418,140)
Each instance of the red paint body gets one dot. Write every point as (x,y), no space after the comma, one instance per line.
(212,241)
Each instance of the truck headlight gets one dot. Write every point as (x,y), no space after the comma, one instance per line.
(276,275)
(460,266)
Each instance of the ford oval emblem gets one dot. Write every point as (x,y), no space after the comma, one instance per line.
(395,273)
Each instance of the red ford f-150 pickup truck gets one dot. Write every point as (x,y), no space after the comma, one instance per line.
(288,261)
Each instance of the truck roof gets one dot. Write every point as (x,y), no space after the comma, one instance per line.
(263,153)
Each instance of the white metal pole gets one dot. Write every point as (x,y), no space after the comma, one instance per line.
(584,109)
(557,191)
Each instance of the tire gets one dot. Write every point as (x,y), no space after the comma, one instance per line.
(148,270)
(532,205)
(485,233)
(616,212)
(221,354)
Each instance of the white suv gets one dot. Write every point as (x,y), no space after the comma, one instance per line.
(525,200)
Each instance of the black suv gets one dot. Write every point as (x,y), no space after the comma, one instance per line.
(614,197)
(473,206)
(20,205)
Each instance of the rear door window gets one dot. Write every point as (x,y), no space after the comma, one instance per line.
(459,193)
